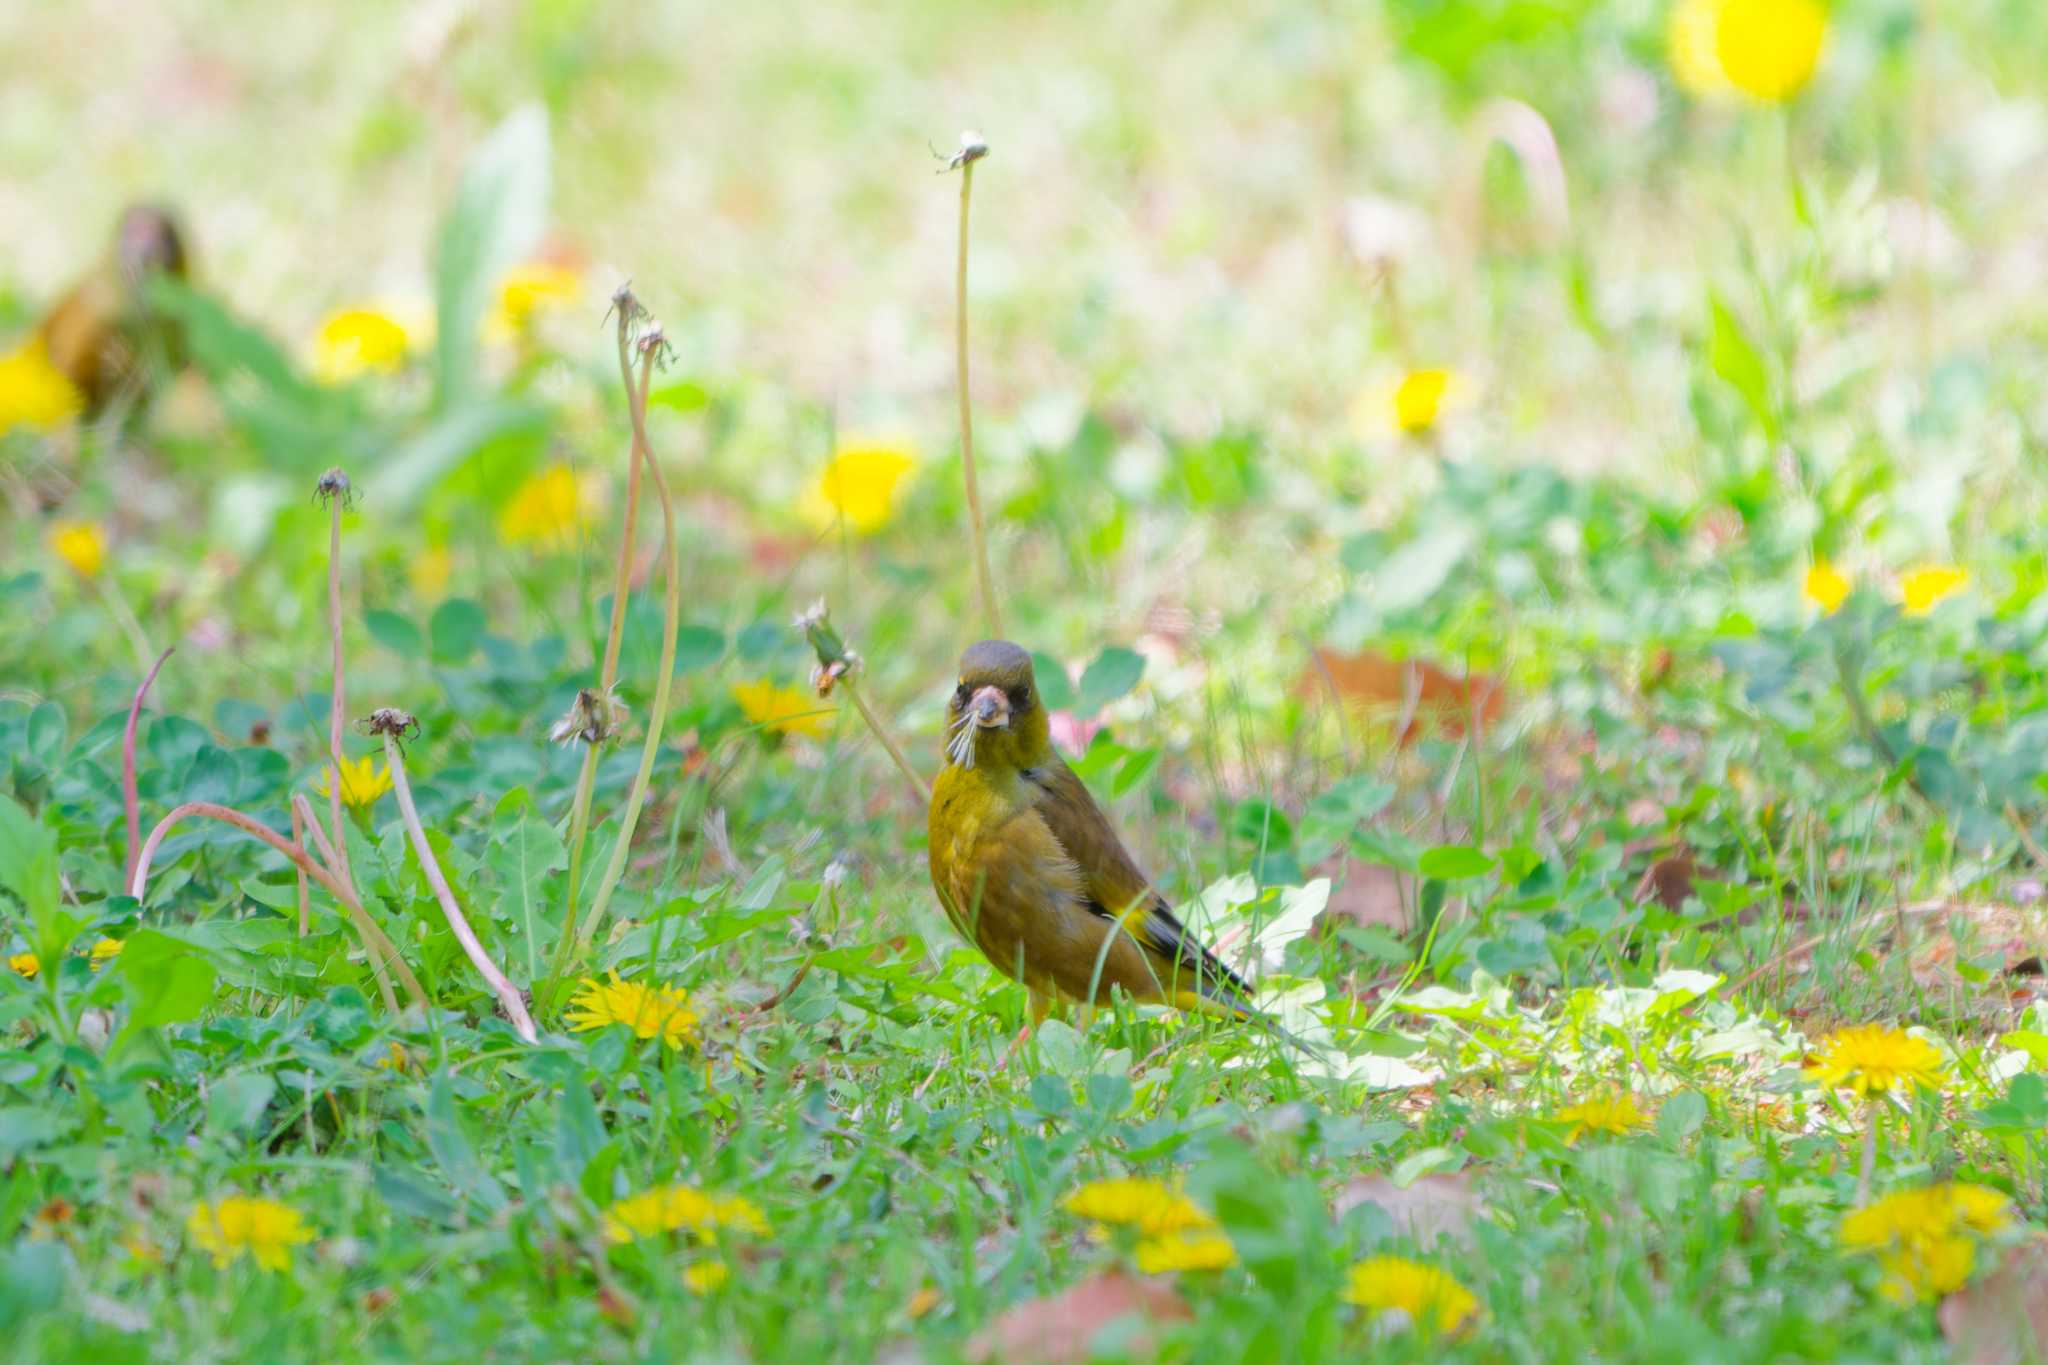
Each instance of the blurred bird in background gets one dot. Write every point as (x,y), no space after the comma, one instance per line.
(1029,870)
(105,334)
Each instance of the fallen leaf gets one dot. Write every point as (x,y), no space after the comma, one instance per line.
(1669,880)
(2002,1318)
(1410,693)
(1432,1207)
(1060,1328)
(1368,893)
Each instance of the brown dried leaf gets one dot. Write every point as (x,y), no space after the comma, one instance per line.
(1058,1329)
(1410,693)
(1367,893)
(2002,1319)
(1434,1206)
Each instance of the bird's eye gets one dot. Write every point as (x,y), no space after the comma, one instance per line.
(1023,698)
(960,694)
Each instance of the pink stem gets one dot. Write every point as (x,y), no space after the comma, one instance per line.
(128,793)
(230,816)
(508,994)
(336,706)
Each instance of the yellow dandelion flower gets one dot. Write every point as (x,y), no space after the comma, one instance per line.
(1419,400)
(1430,1298)
(682,1208)
(1690,39)
(105,951)
(82,545)
(1922,588)
(394,1059)
(34,393)
(24,964)
(525,293)
(860,484)
(357,341)
(1768,49)
(264,1228)
(1929,1269)
(1152,1207)
(550,510)
(1874,1060)
(363,780)
(1617,1114)
(1980,1208)
(706,1277)
(1826,586)
(1186,1251)
(1920,1236)
(651,1012)
(782,710)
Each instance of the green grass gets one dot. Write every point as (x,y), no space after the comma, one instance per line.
(1706,826)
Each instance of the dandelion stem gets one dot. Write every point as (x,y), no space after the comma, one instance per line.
(974,518)
(501,986)
(608,669)
(129,799)
(671,556)
(1869,1156)
(917,784)
(303,817)
(374,938)
(335,707)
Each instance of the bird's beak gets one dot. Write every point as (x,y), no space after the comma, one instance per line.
(990,708)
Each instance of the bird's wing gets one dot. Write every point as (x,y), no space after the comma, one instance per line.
(1117,890)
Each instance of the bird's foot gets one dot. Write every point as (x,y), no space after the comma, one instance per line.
(1016,1045)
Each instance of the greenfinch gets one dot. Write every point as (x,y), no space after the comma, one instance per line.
(106,333)
(1029,870)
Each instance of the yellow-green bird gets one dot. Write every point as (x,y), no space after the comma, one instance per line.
(1029,870)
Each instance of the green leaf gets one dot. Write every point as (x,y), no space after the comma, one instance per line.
(236,1102)
(400,478)
(698,647)
(28,860)
(1733,357)
(167,981)
(396,633)
(453,1149)
(1054,691)
(47,729)
(457,626)
(1451,862)
(214,776)
(1112,674)
(27,1126)
(499,214)
(1682,1115)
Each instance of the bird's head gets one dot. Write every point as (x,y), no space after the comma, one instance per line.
(149,242)
(994,718)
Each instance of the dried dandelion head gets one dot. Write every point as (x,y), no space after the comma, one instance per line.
(593,718)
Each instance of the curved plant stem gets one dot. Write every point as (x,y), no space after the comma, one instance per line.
(974,519)
(671,615)
(374,938)
(501,986)
(303,817)
(129,799)
(608,670)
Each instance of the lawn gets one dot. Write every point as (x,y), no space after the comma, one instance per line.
(1524,515)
